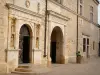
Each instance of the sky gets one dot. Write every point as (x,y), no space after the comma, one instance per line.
(99,13)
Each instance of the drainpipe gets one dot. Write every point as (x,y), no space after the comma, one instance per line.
(45,28)
(7,38)
(77,28)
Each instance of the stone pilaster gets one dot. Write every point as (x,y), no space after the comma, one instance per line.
(64,58)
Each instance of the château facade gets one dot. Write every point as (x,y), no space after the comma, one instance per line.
(28,35)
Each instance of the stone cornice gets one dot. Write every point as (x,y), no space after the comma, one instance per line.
(68,9)
(87,20)
(15,7)
(58,15)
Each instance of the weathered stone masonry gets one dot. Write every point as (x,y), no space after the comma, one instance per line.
(61,32)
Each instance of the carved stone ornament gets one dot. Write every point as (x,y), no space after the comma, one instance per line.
(37,30)
(27,3)
(12,40)
(37,42)
(37,35)
(13,22)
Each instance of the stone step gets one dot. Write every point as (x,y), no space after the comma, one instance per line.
(25,65)
(31,66)
(24,73)
(23,69)
(31,69)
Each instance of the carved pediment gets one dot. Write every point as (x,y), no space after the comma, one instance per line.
(15,7)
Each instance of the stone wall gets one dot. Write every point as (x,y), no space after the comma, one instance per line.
(31,12)
(3,36)
(87,4)
(89,29)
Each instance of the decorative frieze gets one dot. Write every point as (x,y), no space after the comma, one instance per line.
(26,11)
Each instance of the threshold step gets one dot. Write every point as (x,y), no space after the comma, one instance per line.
(28,73)
(23,70)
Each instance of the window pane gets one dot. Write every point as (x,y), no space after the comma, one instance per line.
(87,48)
(84,41)
(84,44)
(87,41)
(87,51)
(84,48)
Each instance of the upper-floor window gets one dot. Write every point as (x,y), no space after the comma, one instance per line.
(91,13)
(81,7)
(59,1)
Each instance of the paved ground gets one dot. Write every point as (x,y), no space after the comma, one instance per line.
(92,67)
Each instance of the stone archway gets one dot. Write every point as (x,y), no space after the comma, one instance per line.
(56,51)
(25,44)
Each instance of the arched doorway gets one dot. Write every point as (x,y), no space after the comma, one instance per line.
(56,52)
(24,44)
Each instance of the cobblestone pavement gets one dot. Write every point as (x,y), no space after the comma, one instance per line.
(92,67)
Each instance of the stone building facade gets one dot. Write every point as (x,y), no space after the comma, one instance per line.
(22,31)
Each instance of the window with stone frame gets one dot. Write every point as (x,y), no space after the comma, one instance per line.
(91,13)
(81,7)
(85,44)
